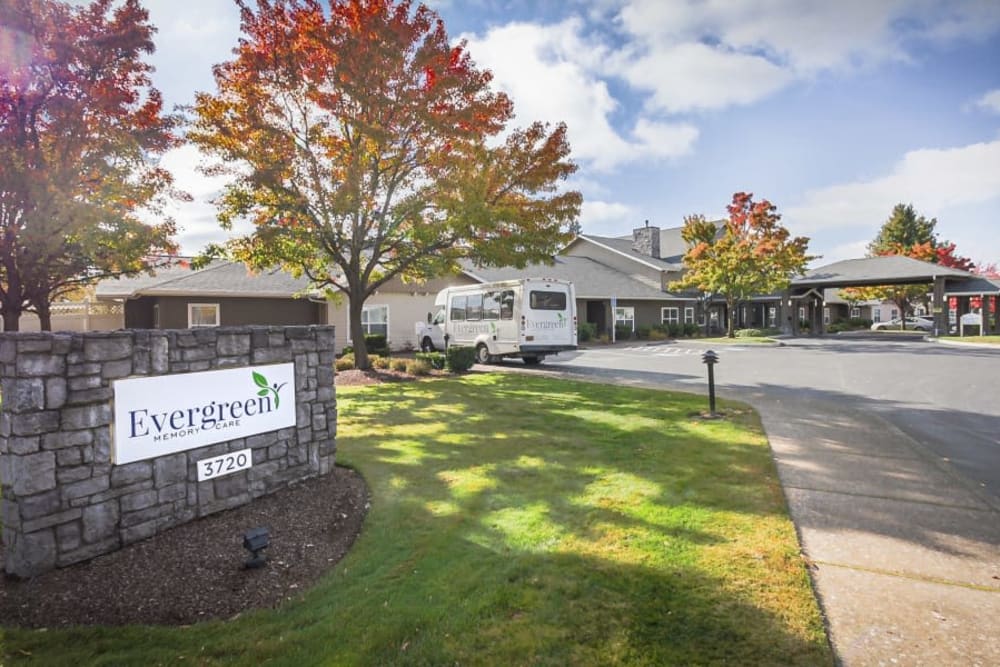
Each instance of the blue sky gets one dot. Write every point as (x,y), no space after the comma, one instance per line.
(834,111)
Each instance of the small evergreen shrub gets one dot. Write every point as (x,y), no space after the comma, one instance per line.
(657,333)
(377,344)
(347,350)
(586,331)
(643,331)
(691,329)
(459,358)
(416,367)
(674,329)
(623,332)
(435,360)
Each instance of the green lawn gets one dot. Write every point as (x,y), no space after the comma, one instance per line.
(725,340)
(992,340)
(520,520)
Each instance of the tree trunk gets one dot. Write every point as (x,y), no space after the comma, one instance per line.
(355,306)
(730,318)
(44,316)
(10,310)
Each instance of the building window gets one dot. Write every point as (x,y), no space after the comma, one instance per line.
(877,315)
(802,313)
(826,316)
(203,315)
(772,317)
(893,314)
(625,316)
(375,320)
(855,313)
(689,316)
(670,315)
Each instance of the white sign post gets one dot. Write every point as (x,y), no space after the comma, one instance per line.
(165,414)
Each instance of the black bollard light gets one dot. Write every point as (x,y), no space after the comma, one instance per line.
(710,359)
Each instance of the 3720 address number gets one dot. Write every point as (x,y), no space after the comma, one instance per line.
(225,464)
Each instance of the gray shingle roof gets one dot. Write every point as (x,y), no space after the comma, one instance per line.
(887,270)
(974,287)
(220,278)
(591,279)
(624,247)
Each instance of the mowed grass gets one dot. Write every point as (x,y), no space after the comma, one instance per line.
(991,340)
(526,521)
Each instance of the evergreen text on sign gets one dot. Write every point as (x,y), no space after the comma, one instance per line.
(154,416)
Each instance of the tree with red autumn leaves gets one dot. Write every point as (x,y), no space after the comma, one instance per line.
(79,124)
(908,234)
(751,254)
(364,147)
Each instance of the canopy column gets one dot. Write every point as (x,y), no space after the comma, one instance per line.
(938,307)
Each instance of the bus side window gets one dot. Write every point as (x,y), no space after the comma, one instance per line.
(507,304)
(457,308)
(491,306)
(474,307)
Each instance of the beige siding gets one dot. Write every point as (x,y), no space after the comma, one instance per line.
(408,304)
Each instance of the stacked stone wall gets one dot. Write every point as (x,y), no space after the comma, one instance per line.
(64,501)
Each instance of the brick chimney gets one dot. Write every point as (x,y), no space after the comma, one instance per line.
(646,240)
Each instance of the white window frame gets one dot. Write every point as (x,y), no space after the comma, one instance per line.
(688,315)
(802,313)
(628,316)
(876,314)
(894,313)
(367,326)
(826,315)
(855,313)
(192,306)
(772,316)
(670,315)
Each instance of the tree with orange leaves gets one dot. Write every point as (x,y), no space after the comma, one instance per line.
(364,146)
(79,126)
(751,254)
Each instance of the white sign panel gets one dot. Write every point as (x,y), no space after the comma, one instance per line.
(162,415)
(219,466)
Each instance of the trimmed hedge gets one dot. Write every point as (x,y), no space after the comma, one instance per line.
(460,358)
(586,331)
(435,360)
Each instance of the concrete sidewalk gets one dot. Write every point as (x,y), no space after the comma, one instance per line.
(904,554)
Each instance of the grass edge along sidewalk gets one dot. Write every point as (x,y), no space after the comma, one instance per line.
(521,520)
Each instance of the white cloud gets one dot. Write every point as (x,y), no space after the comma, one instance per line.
(692,76)
(712,54)
(933,180)
(551,74)
(197,224)
(602,217)
(990,101)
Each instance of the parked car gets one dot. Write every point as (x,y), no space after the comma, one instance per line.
(912,323)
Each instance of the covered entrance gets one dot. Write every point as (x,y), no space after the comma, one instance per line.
(806,292)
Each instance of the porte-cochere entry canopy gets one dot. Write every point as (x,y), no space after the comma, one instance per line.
(890,270)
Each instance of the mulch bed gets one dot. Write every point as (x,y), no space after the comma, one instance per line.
(195,572)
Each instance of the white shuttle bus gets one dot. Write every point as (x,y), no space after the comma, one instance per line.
(529,318)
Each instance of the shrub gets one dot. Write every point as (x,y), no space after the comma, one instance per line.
(377,344)
(771,331)
(623,332)
(459,358)
(586,331)
(416,366)
(657,333)
(749,333)
(399,365)
(347,350)
(435,360)
(604,339)
(380,362)
(804,325)
(643,331)
(345,363)
(691,329)
(674,329)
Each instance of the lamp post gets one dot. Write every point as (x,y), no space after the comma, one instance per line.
(710,358)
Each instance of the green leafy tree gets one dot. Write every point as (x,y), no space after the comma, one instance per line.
(908,234)
(751,254)
(80,125)
(364,147)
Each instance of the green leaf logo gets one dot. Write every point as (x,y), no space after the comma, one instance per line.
(268,388)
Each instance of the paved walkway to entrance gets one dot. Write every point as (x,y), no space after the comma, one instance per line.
(904,554)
